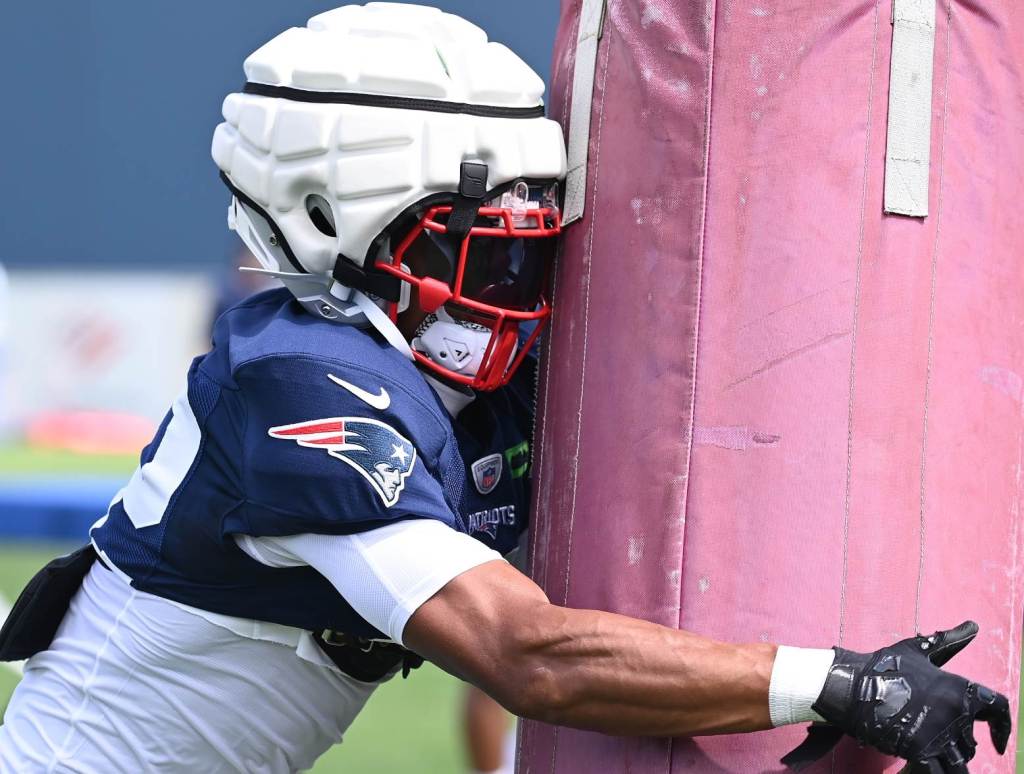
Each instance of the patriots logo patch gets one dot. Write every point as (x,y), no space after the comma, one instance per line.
(379,452)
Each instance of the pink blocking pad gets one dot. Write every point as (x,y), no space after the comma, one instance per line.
(769,411)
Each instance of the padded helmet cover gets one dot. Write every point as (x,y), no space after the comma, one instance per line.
(370,162)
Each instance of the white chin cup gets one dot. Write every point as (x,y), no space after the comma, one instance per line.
(457,345)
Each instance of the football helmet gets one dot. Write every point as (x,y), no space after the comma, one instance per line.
(388,156)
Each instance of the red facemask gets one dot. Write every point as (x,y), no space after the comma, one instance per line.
(496,276)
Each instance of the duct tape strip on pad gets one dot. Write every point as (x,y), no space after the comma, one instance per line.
(591,22)
(908,148)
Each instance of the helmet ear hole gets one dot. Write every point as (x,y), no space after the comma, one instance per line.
(321,214)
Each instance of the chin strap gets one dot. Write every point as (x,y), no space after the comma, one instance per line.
(372,280)
(381,322)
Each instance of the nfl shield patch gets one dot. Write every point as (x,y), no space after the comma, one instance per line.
(487,473)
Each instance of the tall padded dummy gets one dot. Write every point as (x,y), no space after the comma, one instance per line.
(781,397)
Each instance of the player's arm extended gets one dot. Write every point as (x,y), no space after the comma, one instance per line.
(587,669)
(454,601)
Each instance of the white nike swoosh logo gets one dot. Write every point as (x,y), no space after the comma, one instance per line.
(380,401)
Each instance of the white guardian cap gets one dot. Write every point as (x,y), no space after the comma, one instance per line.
(374,122)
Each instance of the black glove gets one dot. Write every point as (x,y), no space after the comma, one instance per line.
(898,701)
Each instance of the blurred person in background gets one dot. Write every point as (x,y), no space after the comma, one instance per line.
(489,735)
(331,499)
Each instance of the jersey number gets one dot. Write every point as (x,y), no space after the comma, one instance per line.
(150,489)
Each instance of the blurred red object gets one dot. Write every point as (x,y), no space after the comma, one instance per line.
(90,432)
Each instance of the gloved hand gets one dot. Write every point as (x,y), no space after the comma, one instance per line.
(900,702)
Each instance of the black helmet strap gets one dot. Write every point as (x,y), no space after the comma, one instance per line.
(472,190)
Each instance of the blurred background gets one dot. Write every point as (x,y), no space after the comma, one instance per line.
(115,260)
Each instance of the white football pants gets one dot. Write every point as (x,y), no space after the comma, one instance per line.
(134,683)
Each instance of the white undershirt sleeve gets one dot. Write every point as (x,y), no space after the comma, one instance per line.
(386,573)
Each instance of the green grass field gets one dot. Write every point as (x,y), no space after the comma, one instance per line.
(21,461)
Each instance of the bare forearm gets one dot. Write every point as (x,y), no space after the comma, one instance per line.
(620,675)
(589,669)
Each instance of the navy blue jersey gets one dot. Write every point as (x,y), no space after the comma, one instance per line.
(290,425)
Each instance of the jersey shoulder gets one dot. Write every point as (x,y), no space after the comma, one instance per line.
(294,367)
(269,337)
(337,428)
(273,324)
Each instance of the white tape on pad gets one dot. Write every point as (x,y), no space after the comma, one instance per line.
(908,149)
(591,19)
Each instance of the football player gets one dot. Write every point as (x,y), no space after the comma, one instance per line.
(330,497)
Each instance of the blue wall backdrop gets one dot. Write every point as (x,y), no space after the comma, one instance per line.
(110,107)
